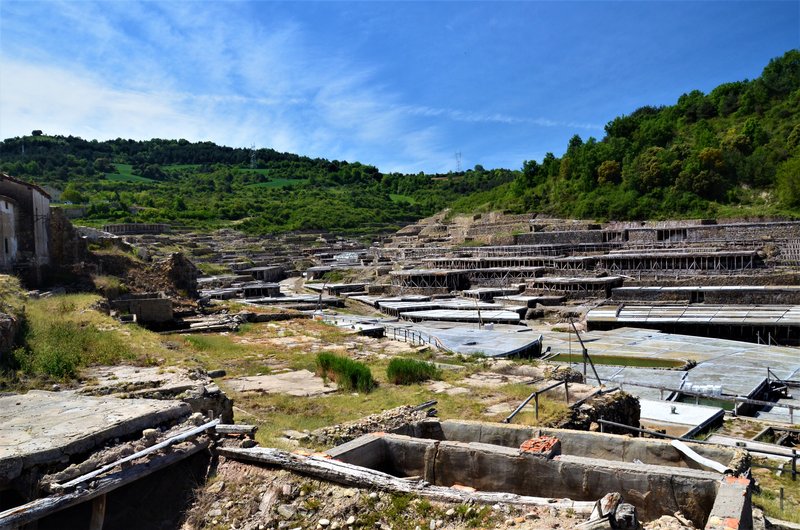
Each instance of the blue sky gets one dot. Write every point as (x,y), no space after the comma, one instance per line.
(400,85)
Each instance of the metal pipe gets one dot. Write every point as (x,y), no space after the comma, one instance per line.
(139,454)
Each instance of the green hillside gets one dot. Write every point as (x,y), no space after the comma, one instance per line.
(204,185)
(730,153)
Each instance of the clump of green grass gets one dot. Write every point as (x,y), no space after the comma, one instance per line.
(347,373)
(768,496)
(213,269)
(403,371)
(110,286)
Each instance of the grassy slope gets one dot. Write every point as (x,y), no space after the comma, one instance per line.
(125,174)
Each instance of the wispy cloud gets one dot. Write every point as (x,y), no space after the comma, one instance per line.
(205,71)
(494,117)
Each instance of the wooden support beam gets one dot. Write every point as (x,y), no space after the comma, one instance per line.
(362,477)
(98,513)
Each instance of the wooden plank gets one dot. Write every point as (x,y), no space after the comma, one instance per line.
(238,429)
(362,477)
(35,510)
(703,461)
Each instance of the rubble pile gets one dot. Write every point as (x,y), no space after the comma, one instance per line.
(255,498)
(193,387)
(616,406)
(387,420)
(176,277)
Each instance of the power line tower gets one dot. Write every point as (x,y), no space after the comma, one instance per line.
(253,156)
(458,162)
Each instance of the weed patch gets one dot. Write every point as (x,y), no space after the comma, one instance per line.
(402,371)
(347,373)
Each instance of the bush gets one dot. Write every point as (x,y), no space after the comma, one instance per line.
(408,371)
(347,373)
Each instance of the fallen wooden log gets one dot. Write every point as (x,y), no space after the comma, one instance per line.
(362,477)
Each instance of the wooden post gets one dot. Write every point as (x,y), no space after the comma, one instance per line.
(98,513)
(536,405)
(794,464)
(566,390)
(781,498)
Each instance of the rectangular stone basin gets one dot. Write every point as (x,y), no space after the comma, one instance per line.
(650,474)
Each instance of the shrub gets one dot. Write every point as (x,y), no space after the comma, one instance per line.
(347,373)
(408,371)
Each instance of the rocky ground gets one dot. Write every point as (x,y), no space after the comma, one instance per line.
(248,497)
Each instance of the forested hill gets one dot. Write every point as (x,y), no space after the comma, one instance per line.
(205,185)
(733,152)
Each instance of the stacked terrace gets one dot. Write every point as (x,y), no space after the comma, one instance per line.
(754,323)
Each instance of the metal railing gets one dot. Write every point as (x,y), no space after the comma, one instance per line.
(535,397)
(792,458)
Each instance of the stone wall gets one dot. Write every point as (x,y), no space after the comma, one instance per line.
(146,309)
(654,490)
(581,443)
(32,213)
(732,296)
(9,327)
(572,237)
(67,247)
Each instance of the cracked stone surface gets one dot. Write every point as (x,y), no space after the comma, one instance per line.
(44,427)
(298,383)
(439,387)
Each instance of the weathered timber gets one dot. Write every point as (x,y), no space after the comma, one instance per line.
(139,454)
(237,430)
(98,513)
(362,477)
(703,461)
(40,508)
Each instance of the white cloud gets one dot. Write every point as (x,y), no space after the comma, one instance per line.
(478,117)
(60,101)
(205,72)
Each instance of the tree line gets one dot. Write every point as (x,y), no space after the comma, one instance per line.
(732,152)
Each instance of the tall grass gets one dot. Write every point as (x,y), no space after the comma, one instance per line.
(409,371)
(347,373)
(60,338)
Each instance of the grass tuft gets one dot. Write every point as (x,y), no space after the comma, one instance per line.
(347,373)
(403,371)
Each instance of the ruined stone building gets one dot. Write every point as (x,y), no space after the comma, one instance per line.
(24,227)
